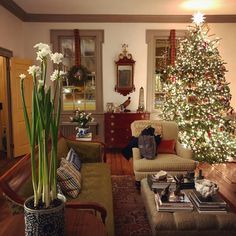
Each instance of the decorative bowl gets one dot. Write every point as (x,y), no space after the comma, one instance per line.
(206,188)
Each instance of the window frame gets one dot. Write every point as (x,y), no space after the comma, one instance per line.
(55,36)
(151,36)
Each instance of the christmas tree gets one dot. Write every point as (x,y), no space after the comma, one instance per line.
(198,96)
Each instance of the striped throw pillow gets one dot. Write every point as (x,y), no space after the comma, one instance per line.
(69,179)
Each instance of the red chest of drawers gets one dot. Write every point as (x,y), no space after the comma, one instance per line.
(117,127)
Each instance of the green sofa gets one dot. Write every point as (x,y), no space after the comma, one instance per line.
(96,179)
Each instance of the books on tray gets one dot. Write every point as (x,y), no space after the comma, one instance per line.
(175,203)
(215,205)
(161,184)
(85,137)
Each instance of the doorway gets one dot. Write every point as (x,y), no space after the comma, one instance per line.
(3,109)
(5,105)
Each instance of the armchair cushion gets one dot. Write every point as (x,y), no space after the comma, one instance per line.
(167,162)
(166,146)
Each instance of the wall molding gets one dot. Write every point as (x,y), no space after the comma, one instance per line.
(16,10)
(6,53)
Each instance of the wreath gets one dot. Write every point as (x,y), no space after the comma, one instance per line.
(77,75)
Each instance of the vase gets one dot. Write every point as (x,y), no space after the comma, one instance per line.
(44,222)
(81,131)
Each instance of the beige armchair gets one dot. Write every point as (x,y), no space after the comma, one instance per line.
(181,162)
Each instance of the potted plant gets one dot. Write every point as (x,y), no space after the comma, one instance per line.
(82,119)
(44,211)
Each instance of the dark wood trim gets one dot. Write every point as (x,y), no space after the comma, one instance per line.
(125,18)
(16,10)
(12,7)
(10,144)
(8,54)
(5,52)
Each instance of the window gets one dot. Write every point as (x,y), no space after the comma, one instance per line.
(83,88)
(159,56)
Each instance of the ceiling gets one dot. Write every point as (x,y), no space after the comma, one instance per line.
(138,7)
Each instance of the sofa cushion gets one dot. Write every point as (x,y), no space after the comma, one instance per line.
(74,159)
(69,178)
(96,187)
(166,146)
(167,162)
(89,152)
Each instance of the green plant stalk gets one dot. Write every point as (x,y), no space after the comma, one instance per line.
(44,71)
(54,128)
(32,141)
(46,192)
(40,164)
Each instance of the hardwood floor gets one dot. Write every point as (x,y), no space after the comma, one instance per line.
(223,174)
(119,165)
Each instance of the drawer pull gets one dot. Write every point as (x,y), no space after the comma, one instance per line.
(142,116)
(112,123)
(112,116)
(112,139)
(112,131)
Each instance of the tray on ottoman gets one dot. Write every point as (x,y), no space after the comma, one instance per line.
(185,223)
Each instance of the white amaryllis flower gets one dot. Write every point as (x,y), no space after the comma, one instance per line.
(43,51)
(56,75)
(22,76)
(41,46)
(34,70)
(56,57)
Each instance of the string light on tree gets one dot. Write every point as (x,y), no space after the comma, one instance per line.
(198,96)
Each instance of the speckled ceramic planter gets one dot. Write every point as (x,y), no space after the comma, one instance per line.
(44,222)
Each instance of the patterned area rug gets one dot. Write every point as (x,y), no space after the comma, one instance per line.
(129,212)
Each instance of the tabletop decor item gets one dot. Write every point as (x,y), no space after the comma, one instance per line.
(82,119)
(44,211)
(206,188)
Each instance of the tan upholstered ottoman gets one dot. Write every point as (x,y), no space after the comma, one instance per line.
(185,223)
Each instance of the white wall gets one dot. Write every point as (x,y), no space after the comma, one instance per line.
(134,35)
(11,33)
(227,48)
(20,38)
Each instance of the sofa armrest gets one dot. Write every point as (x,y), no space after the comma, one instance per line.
(183,152)
(89,152)
(89,205)
(136,154)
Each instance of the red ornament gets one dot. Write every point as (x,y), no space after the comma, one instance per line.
(204,44)
(209,134)
(172,79)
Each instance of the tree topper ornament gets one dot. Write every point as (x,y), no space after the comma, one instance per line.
(198,18)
